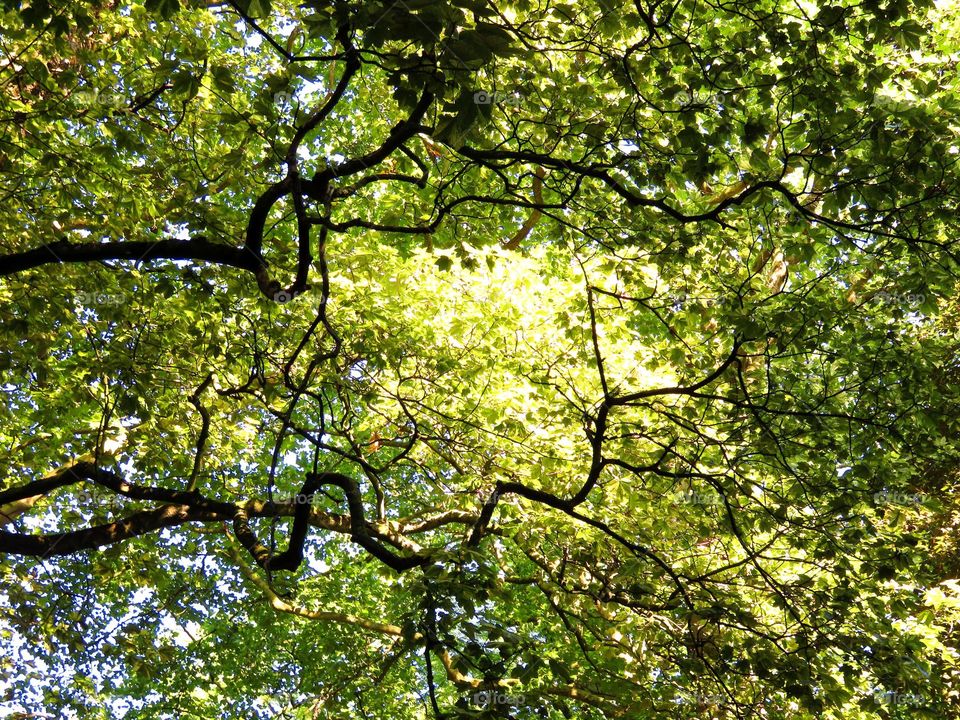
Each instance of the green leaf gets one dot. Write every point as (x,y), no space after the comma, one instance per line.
(163,8)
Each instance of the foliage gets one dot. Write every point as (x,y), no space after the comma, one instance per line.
(468,359)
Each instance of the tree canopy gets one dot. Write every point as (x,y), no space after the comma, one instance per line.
(474,359)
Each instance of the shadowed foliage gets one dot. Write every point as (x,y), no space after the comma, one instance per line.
(467,359)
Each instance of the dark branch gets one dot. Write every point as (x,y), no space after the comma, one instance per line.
(197,249)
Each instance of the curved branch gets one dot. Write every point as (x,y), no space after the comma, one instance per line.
(204,433)
(317,188)
(602,173)
(132,526)
(184,507)
(291,558)
(521,234)
(399,134)
(199,249)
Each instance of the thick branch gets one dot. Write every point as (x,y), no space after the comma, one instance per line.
(132,526)
(359,530)
(198,249)
(535,214)
(191,506)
